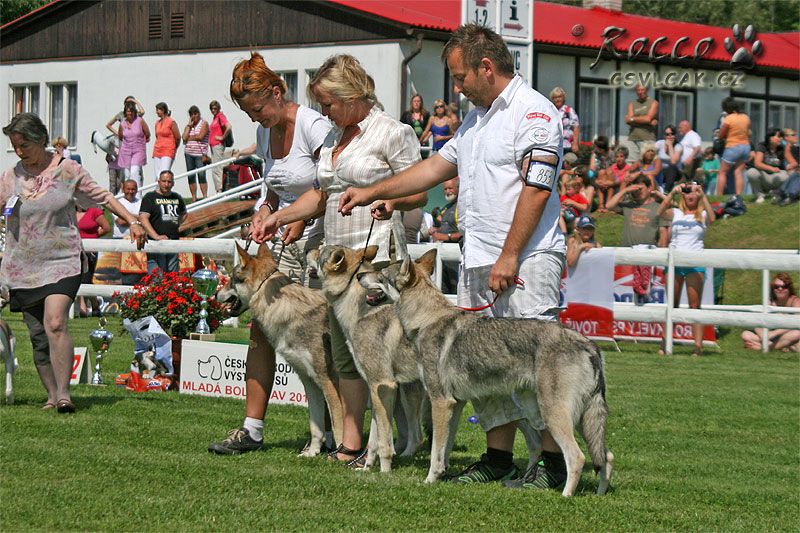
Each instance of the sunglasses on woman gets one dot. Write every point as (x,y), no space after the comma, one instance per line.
(779,287)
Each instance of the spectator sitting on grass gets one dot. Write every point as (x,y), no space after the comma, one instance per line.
(612,178)
(601,157)
(648,165)
(572,200)
(782,294)
(582,239)
(586,188)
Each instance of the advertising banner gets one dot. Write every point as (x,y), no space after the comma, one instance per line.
(218,369)
(588,296)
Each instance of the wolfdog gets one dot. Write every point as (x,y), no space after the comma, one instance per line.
(381,353)
(466,356)
(294,320)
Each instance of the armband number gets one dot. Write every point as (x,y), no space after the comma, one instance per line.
(541,175)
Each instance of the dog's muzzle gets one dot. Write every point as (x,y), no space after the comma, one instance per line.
(232,304)
(375,297)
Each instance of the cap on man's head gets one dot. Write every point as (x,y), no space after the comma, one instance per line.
(571,158)
(585,222)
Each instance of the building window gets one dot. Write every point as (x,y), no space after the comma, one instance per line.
(290,78)
(755,110)
(673,107)
(313,104)
(64,111)
(597,111)
(25,99)
(784,115)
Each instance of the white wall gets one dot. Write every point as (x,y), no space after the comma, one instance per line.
(180,80)
(426,72)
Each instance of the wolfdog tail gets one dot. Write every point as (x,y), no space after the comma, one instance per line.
(593,426)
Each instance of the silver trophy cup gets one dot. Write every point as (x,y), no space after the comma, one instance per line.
(205,283)
(101,340)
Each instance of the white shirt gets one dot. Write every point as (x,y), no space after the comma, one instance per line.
(133,209)
(663,154)
(382,148)
(688,143)
(488,149)
(687,232)
(292,175)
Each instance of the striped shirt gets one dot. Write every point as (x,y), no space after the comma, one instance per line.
(382,148)
(197,147)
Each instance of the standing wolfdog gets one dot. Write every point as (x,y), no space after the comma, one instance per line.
(295,321)
(466,356)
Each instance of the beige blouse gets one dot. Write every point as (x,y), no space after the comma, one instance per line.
(383,148)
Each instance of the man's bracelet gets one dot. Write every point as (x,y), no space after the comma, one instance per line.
(135,223)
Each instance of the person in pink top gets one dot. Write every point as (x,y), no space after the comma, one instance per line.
(167,140)
(92,224)
(195,146)
(134,134)
(609,181)
(42,260)
(219,130)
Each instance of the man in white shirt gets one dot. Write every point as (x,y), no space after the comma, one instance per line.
(507,153)
(131,202)
(691,146)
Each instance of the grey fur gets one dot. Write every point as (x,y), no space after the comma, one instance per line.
(466,356)
(294,319)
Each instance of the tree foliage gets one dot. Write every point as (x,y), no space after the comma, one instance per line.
(764,15)
(13,9)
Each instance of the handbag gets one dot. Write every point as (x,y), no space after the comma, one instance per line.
(228,141)
(718,146)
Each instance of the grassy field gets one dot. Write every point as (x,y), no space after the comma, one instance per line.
(700,444)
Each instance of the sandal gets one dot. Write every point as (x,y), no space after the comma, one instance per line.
(48,405)
(341,449)
(359,463)
(65,406)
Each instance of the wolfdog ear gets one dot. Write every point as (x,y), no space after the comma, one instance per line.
(312,258)
(264,251)
(428,261)
(243,255)
(406,274)
(370,253)
(336,260)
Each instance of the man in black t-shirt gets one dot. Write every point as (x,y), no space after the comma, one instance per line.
(161,213)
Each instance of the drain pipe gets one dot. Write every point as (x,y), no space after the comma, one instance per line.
(404,71)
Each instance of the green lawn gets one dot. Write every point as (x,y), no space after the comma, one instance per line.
(700,444)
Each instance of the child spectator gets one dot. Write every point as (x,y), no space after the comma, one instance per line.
(586,188)
(568,168)
(612,178)
(582,239)
(707,173)
(572,199)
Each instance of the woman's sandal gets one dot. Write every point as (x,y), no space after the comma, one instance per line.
(65,406)
(356,454)
(48,405)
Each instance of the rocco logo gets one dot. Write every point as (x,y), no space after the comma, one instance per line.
(741,57)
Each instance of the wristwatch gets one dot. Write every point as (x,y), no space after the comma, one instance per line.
(449,237)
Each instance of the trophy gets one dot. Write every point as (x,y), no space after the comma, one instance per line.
(205,283)
(101,340)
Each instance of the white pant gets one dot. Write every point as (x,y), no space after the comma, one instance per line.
(765,182)
(160,164)
(217,154)
(538,299)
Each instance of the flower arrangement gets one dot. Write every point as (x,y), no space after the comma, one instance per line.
(172,300)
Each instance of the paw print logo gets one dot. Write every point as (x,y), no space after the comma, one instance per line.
(741,57)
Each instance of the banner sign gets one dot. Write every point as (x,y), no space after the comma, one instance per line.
(627,276)
(81,368)
(218,369)
(586,291)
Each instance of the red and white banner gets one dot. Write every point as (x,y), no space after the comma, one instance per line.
(626,277)
(587,293)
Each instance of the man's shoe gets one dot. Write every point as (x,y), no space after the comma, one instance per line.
(538,477)
(483,472)
(239,441)
(760,198)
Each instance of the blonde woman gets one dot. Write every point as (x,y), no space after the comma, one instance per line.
(569,120)
(365,146)
(689,223)
(439,126)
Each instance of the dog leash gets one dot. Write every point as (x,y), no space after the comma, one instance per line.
(517,280)
(364,253)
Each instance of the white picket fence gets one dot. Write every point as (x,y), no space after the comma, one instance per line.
(753,316)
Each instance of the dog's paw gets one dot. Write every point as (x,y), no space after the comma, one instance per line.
(741,57)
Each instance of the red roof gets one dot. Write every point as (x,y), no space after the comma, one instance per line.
(554,24)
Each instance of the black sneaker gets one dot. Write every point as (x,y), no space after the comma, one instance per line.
(483,472)
(538,477)
(238,441)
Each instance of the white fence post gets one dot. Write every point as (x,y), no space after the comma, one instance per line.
(765,307)
(670,300)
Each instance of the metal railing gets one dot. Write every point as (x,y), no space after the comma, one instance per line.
(753,316)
